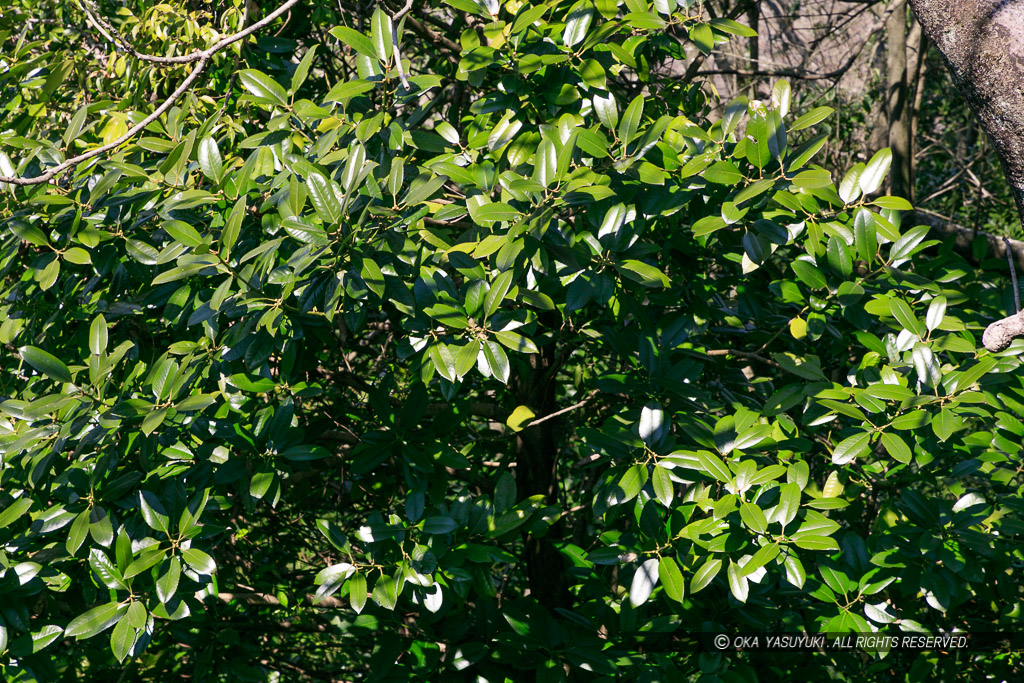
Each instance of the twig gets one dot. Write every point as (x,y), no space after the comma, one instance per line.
(1013,276)
(394,42)
(741,354)
(574,406)
(267,599)
(450,48)
(201,58)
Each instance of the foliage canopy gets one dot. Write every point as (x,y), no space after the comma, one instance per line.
(527,358)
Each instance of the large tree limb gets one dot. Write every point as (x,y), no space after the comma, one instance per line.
(982,42)
(200,58)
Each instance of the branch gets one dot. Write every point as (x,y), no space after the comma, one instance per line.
(201,58)
(1000,334)
(447,46)
(267,599)
(394,42)
(741,354)
(964,237)
(582,403)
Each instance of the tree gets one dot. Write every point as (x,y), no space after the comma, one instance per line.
(467,339)
(985,57)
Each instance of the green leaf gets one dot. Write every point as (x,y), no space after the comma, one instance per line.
(644,581)
(439,525)
(380,29)
(795,573)
(497,292)
(94,621)
(153,420)
(875,171)
(592,73)
(645,274)
(703,37)
(122,639)
(519,418)
(832,488)
(28,232)
(385,592)
(812,179)
(734,27)
(355,40)
(894,203)
(944,425)
(302,70)
(497,361)
(630,122)
(606,109)
(896,447)
(79,530)
(263,86)
(357,591)
(671,578)
(199,561)
(326,196)
(705,575)
(737,582)
(664,488)
(900,310)
(491,213)
(839,257)
(153,511)
(346,90)
(578,23)
(98,335)
(816,543)
(936,312)
(516,342)
(762,557)
(167,582)
(812,117)
(631,483)
(714,466)
(723,173)
(45,363)
(753,517)
(788,505)
(14,511)
(210,161)
(850,449)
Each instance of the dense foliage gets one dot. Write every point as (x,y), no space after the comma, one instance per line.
(526,359)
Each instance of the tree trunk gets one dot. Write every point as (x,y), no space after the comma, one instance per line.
(901,180)
(917,48)
(982,42)
(536,450)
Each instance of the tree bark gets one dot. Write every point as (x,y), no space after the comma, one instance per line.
(901,181)
(536,451)
(982,42)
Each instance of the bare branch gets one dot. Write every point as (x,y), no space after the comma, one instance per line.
(255,598)
(574,406)
(201,58)
(394,42)
(1000,334)
(741,354)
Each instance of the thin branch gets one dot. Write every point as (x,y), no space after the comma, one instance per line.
(267,599)
(394,42)
(201,58)
(741,354)
(555,414)
(450,48)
